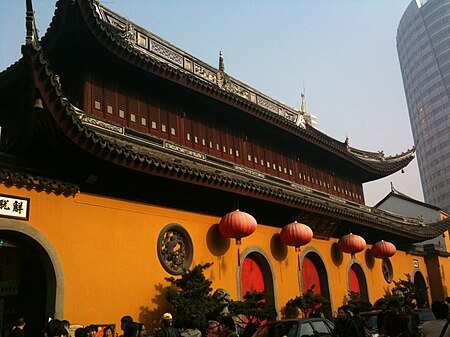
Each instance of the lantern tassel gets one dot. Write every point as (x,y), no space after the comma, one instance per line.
(297,249)
(238,243)
(239,257)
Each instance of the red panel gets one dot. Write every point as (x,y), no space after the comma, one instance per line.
(132,105)
(227,144)
(173,123)
(97,96)
(252,276)
(354,282)
(238,148)
(310,276)
(143,114)
(163,115)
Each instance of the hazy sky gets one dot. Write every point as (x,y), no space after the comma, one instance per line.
(342,52)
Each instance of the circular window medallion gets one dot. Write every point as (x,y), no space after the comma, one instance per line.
(388,272)
(175,249)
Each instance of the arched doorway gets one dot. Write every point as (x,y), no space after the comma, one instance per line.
(421,290)
(256,275)
(357,281)
(314,275)
(27,282)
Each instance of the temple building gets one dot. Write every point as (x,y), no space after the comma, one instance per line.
(124,160)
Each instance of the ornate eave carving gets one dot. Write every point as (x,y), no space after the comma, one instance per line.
(153,46)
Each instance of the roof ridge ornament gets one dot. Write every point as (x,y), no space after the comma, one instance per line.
(129,34)
(30,25)
(303,106)
(223,81)
(221,64)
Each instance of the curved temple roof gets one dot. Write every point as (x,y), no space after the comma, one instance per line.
(151,53)
(158,157)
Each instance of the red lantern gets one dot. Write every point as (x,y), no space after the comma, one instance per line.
(236,225)
(351,244)
(296,234)
(383,249)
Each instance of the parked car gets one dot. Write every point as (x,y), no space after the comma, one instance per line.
(424,315)
(371,322)
(302,327)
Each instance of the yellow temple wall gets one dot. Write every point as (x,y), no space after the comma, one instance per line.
(108,252)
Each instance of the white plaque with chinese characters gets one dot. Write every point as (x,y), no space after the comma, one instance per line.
(14,207)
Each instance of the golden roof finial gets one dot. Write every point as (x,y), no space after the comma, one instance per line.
(221,64)
(303,107)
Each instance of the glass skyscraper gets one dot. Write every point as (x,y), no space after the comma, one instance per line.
(423,46)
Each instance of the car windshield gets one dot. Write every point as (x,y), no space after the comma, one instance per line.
(280,329)
(371,322)
(425,315)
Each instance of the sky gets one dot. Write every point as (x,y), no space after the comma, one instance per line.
(342,54)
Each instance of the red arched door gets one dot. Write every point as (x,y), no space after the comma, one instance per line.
(354,282)
(256,274)
(357,281)
(314,274)
(252,276)
(310,276)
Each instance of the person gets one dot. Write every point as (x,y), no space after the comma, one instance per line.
(17,330)
(344,326)
(381,315)
(141,330)
(228,327)
(359,321)
(66,324)
(55,328)
(123,322)
(414,321)
(214,328)
(439,326)
(80,332)
(130,330)
(92,330)
(395,324)
(108,331)
(167,329)
(190,329)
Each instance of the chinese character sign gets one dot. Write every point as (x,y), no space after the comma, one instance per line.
(14,207)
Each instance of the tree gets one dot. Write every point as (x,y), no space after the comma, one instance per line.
(407,293)
(252,311)
(309,303)
(190,296)
(354,300)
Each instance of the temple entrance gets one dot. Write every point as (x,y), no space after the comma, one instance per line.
(357,281)
(256,275)
(27,283)
(315,275)
(421,289)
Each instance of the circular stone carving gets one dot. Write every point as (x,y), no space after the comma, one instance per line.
(388,271)
(175,249)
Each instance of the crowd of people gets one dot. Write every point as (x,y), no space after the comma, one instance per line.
(61,328)
(396,322)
